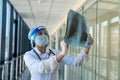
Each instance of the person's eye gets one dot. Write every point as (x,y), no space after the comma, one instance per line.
(39,33)
(46,33)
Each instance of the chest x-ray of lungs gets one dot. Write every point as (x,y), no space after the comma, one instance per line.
(76,30)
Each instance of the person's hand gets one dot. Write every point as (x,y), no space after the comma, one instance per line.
(89,41)
(64,47)
(88,44)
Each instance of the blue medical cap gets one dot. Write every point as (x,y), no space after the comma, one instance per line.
(32,33)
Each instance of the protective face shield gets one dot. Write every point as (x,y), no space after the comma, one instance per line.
(32,33)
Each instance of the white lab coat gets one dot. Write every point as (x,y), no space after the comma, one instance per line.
(47,68)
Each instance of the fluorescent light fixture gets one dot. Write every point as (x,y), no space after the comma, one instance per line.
(40,1)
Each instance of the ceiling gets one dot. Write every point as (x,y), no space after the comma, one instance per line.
(46,13)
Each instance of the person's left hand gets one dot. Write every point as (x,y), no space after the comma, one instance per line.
(64,47)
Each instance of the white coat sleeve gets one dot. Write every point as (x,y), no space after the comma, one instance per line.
(75,61)
(41,66)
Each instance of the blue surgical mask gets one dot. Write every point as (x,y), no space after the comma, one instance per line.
(41,40)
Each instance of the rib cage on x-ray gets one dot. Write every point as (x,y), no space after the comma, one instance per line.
(76,30)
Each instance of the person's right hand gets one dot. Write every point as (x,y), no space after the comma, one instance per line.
(64,47)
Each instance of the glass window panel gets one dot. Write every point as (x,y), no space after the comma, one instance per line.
(91,22)
(53,42)
(103,67)
(7,30)
(89,75)
(101,78)
(113,70)
(97,65)
(89,63)
(114,41)
(78,73)
(63,31)
(97,77)
(103,47)
(115,19)
(86,74)
(91,30)
(94,63)
(1,2)
(108,1)
(108,11)
(14,25)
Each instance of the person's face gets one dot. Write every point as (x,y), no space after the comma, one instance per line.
(41,41)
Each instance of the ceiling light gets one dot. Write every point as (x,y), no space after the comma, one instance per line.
(40,1)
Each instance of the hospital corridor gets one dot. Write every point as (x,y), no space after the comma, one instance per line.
(58,20)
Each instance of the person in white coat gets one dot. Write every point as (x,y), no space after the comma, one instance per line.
(43,63)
